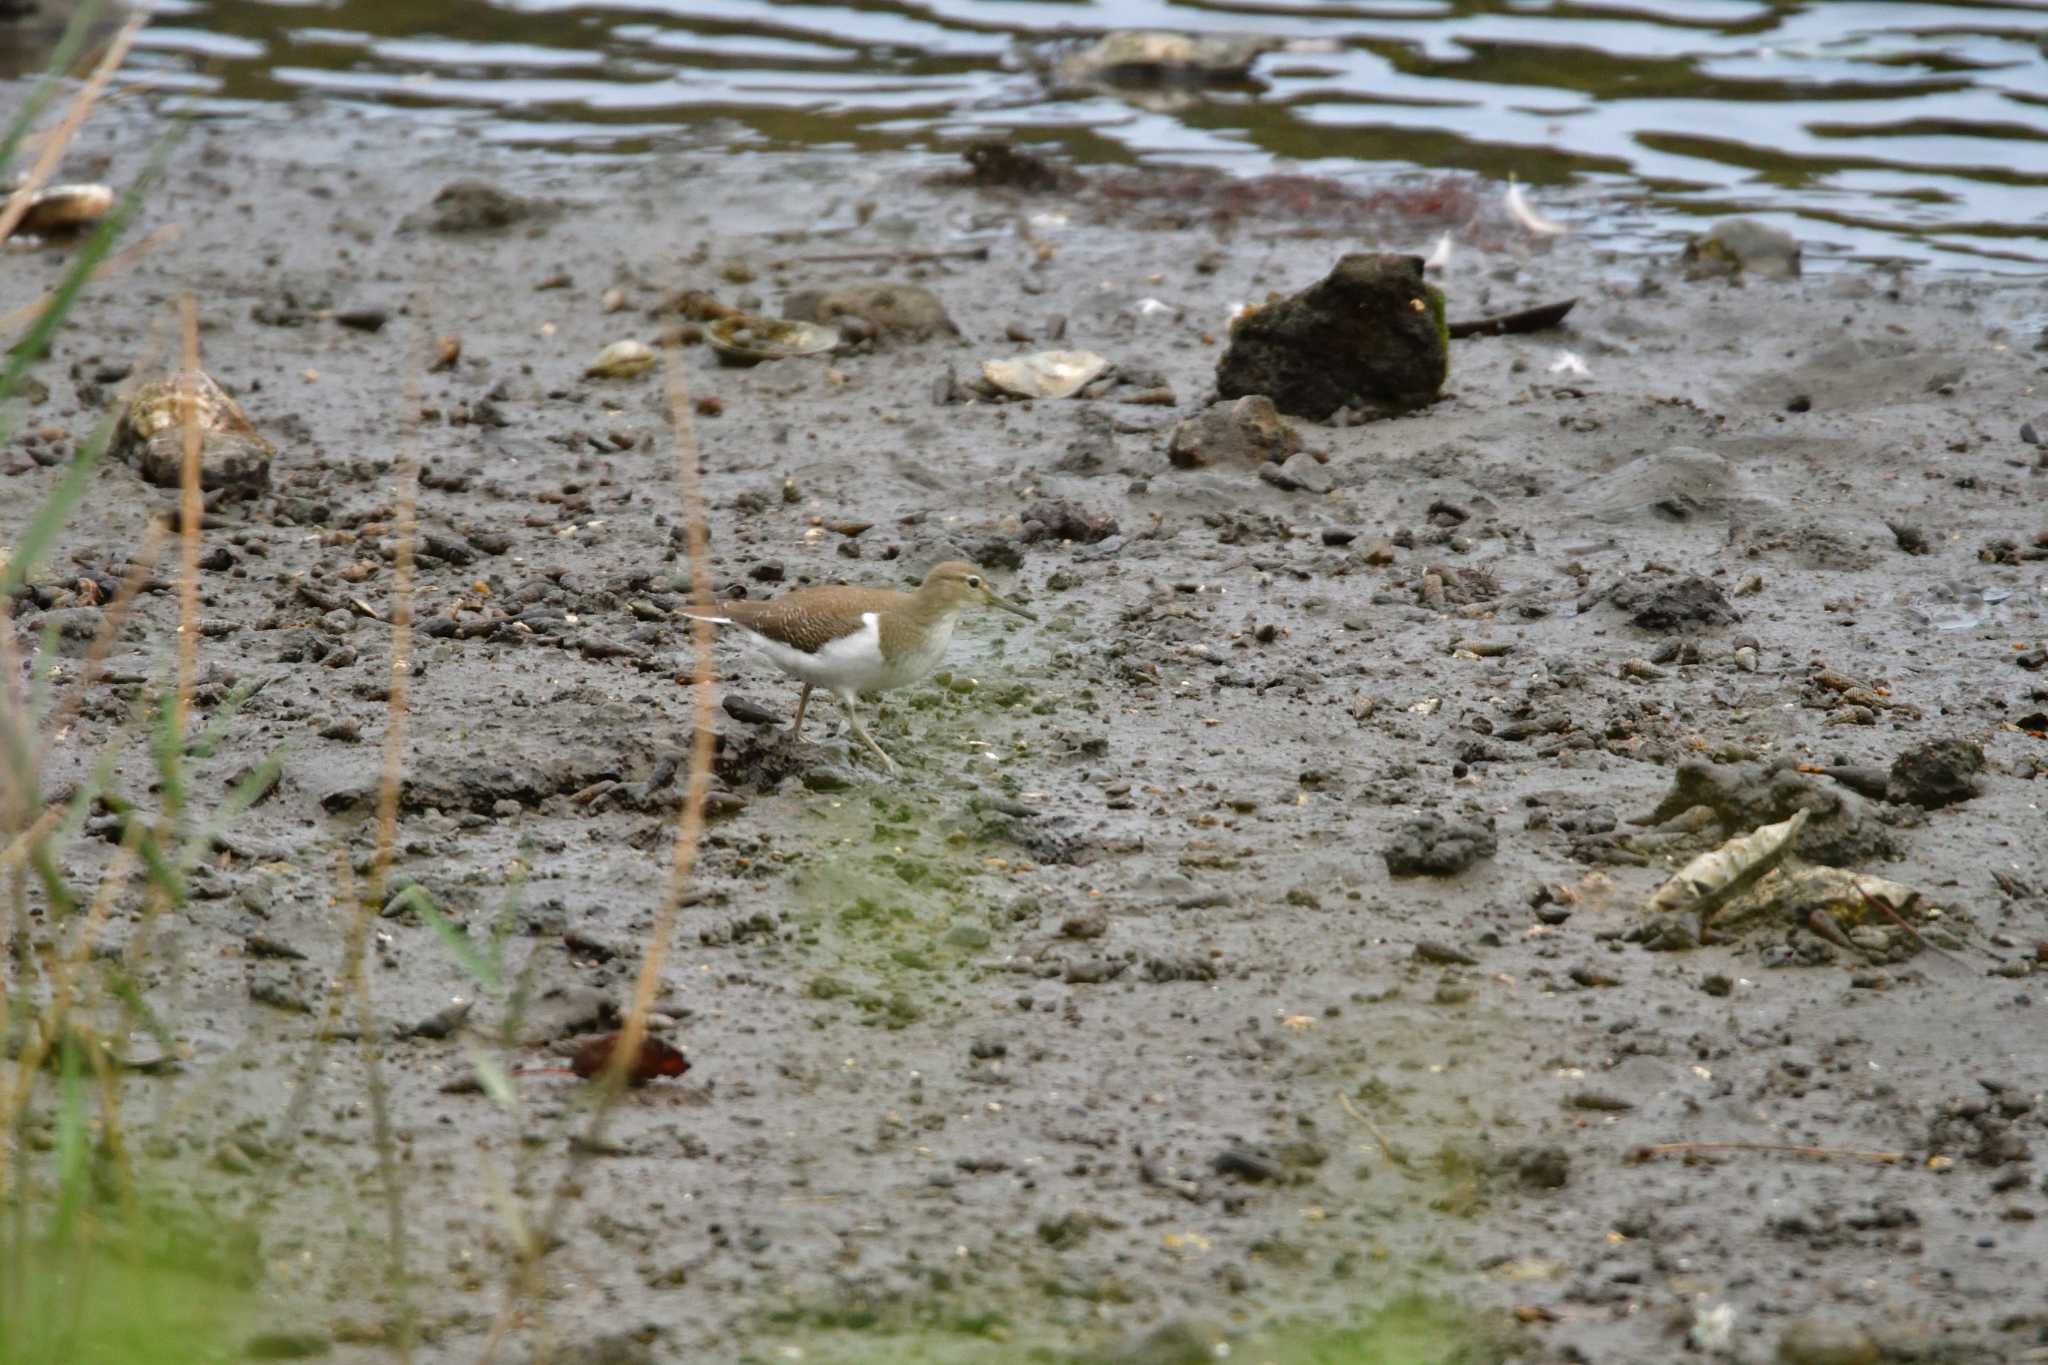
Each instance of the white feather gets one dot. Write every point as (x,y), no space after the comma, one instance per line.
(1527,216)
(1440,257)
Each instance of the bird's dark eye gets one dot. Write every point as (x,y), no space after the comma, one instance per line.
(973,582)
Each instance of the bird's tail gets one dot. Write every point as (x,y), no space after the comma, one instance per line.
(707,616)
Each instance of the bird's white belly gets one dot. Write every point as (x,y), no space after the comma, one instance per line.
(854,663)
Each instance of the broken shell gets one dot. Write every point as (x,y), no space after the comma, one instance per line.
(1044,374)
(158,406)
(621,360)
(65,208)
(749,340)
(1709,880)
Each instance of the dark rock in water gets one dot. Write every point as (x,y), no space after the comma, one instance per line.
(1368,336)
(1249,431)
(903,311)
(1671,604)
(1938,773)
(1430,846)
(474,206)
(993,163)
(1742,246)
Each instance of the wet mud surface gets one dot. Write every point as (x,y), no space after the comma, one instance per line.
(1109,1018)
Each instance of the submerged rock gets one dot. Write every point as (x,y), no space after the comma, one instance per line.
(1369,335)
(1161,57)
(1742,246)
(1247,431)
(904,311)
(474,206)
(152,435)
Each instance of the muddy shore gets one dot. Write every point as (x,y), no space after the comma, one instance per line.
(1107,1021)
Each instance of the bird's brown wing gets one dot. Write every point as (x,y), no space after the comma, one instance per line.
(811,618)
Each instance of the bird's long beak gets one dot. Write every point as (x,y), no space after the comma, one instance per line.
(1007,605)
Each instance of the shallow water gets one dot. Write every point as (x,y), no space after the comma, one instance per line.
(1871,129)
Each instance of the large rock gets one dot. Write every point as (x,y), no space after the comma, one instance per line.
(1370,336)
(905,311)
(232,454)
(1248,431)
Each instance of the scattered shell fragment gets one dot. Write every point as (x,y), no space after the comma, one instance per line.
(447,350)
(621,360)
(58,209)
(1708,881)
(748,340)
(1044,374)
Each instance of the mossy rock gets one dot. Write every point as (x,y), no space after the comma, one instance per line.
(1369,336)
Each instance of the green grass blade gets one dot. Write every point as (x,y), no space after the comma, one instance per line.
(71,1144)
(42,530)
(244,795)
(223,715)
(495,1079)
(66,52)
(122,987)
(452,937)
(31,347)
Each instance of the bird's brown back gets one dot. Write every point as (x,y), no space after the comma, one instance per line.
(811,618)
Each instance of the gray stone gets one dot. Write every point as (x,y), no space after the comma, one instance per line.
(902,311)
(1248,431)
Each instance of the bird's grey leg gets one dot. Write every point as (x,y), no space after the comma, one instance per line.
(846,700)
(803,699)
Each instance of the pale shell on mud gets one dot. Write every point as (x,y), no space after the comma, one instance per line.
(65,208)
(1044,374)
(621,360)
